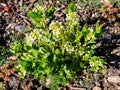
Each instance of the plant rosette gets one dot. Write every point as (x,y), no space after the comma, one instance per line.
(57,51)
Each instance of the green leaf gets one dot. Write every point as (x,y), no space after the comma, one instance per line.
(85,30)
(71,7)
(49,12)
(54,58)
(58,51)
(78,36)
(35,16)
(99,31)
(98,28)
(33,64)
(33,53)
(45,56)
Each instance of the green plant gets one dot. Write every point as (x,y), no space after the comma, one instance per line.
(57,51)
(91,3)
(2,86)
(3,54)
(116,3)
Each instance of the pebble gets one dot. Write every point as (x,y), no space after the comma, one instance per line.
(75,88)
(0,13)
(96,88)
(21,28)
(114,79)
(72,88)
(90,86)
(118,88)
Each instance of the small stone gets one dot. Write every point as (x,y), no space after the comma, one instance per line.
(81,82)
(96,88)
(90,86)
(73,88)
(13,82)
(21,28)
(0,13)
(118,88)
(48,82)
(105,80)
(114,79)
(97,83)
(118,71)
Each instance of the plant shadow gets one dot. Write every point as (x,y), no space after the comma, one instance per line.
(109,49)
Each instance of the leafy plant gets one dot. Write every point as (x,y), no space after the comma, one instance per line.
(91,3)
(57,51)
(2,86)
(3,54)
(115,2)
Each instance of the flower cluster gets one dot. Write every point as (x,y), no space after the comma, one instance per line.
(69,48)
(35,34)
(56,26)
(95,62)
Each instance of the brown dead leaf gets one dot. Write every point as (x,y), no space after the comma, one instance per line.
(3,67)
(29,85)
(7,72)
(1,75)
(112,11)
(7,78)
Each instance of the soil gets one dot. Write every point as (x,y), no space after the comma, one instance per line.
(13,16)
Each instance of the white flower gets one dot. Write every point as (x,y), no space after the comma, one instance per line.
(35,33)
(56,26)
(29,39)
(69,48)
(91,64)
(22,73)
(18,66)
(100,63)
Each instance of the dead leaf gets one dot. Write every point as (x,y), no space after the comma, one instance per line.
(7,78)
(1,75)
(29,85)
(112,11)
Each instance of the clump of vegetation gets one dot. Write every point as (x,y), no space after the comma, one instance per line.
(4,52)
(2,86)
(57,51)
(91,3)
(116,3)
